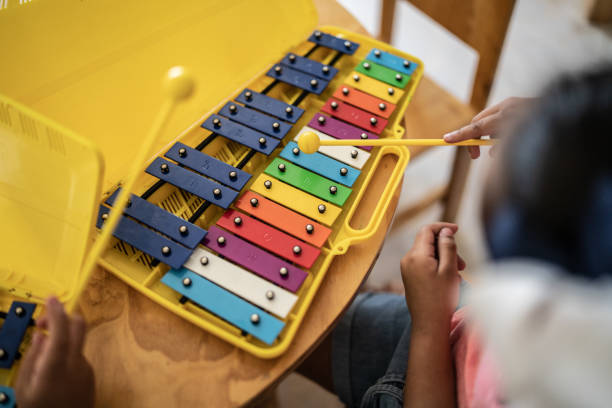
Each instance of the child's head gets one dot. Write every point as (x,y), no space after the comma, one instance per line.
(551,194)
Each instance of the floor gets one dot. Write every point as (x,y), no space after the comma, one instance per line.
(546,37)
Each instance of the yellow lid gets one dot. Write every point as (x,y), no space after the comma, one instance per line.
(95,67)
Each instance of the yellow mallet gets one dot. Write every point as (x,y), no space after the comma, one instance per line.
(309,142)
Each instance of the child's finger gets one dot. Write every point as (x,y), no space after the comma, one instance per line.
(77,334)
(460,263)
(29,361)
(474,152)
(447,250)
(59,340)
(489,111)
(475,130)
(425,238)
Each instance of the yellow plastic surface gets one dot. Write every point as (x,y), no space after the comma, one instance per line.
(100,77)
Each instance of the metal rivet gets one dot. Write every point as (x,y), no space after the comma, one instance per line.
(309,228)
(204,260)
(292,58)
(343,171)
(129,203)
(166,250)
(354,153)
(238,221)
(262,141)
(267,184)
(182,152)
(217,122)
(364,136)
(382,106)
(283,271)
(19,311)
(217,192)
(278,69)
(345,91)
(164,168)
(296,151)
(183,230)
(248,95)
(289,109)
(221,240)
(254,318)
(334,105)
(233,175)
(356,77)
(347,44)
(105,216)
(377,53)
(254,202)
(276,126)
(325,69)
(314,82)
(366,65)
(333,189)
(270,294)
(390,91)
(406,63)
(2,354)
(282,167)
(322,208)
(3,398)
(297,250)
(398,77)
(321,119)
(317,34)
(186,282)
(373,120)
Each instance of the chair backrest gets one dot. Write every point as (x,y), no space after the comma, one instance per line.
(482,24)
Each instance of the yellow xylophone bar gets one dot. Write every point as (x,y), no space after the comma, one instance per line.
(309,142)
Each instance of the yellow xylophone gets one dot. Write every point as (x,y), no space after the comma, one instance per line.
(228,223)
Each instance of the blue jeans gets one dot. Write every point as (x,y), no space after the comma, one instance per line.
(370,351)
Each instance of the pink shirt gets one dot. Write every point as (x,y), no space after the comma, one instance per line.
(474,372)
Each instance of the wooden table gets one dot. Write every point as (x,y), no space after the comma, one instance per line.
(145,356)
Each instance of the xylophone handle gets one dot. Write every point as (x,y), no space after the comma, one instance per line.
(357,235)
(178,85)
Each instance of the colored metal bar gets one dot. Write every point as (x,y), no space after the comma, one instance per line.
(147,241)
(321,164)
(373,87)
(335,43)
(355,116)
(256,120)
(347,154)
(209,166)
(161,220)
(264,264)
(308,181)
(283,218)
(243,283)
(298,79)
(365,101)
(8,397)
(13,331)
(340,130)
(393,62)
(269,238)
(291,197)
(309,66)
(241,134)
(384,74)
(271,106)
(224,304)
(194,183)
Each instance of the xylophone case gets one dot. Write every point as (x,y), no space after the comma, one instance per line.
(99,76)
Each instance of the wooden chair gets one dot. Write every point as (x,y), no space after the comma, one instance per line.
(482,24)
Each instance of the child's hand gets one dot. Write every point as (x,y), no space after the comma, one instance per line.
(432,285)
(489,122)
(54,372)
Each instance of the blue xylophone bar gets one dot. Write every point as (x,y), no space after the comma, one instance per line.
(7,397)
(161,220)
(309,66)
(258,121)
(13,330)
(241,134)
(339,44)
(209,166)
(298,79)
(271,106)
